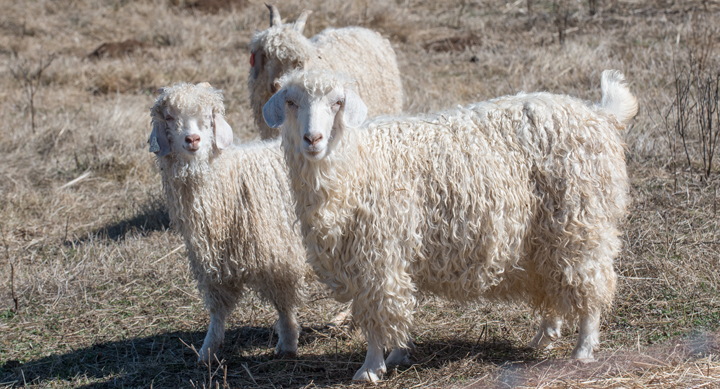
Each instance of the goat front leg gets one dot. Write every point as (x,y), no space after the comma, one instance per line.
(288,332)
(374,367)
(383,309)
(220,302)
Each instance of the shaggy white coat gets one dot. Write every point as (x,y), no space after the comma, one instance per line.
(233,207)
(513,199)
(363,54)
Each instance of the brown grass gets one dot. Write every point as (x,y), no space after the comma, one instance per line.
(101,282)
(117,49)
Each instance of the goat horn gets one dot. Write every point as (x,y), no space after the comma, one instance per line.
(274,15)
(300,22)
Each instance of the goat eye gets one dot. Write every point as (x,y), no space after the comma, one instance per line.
(169,118)
(290,103)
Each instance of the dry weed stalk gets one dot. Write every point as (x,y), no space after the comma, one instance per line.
(28,76)
(593,4)
(562,13)
(211,374)
(12,275)
(682,109)
(695,108)
(708,117)
(696,104)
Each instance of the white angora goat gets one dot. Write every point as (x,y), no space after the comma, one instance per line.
(514,199)
(233,206)
(361,53)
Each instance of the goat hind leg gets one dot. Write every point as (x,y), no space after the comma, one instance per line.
(549,331)
(400,356)
(588,337)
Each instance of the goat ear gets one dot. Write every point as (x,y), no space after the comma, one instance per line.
(274,110)
(223,131)
(158,139)
(354,110)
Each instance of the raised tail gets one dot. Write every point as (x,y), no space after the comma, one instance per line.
(616,97)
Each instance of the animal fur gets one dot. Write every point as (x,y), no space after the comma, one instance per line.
(513,199)
(361,53)
(234,209)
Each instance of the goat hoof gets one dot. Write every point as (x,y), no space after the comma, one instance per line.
(286,355)
(366,376)
(398,357)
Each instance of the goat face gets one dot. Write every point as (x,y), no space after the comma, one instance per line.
(314,119)
(192,131)
(193,136)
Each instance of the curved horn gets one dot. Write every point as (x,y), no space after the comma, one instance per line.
(300,22)
(274,15)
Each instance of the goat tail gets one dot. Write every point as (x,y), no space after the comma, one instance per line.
(616,97)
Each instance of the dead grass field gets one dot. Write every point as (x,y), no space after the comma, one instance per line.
(94,286)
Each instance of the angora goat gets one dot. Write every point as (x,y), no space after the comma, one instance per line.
(233,207)
(513,199)
(361,53)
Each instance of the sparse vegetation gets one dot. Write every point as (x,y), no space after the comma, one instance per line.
(104,298)
(28,75)
(694,114)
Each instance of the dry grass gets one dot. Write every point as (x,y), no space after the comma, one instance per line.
(101,283)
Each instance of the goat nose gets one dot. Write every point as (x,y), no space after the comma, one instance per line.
(313,139)
(193,139)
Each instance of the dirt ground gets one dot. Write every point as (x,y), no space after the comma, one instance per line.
(94,285)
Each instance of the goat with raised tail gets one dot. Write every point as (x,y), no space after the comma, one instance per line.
(513,199)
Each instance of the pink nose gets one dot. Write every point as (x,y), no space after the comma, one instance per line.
(313,139)
(193,140)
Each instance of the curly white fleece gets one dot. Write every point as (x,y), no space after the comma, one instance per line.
(361,53)
(235,212)
(517,198)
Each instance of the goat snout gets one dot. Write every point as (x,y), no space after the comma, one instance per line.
(313,139)
(193,140)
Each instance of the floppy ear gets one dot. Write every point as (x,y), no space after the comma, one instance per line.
(274,110)
(354,110)
(158,139)
(223,131)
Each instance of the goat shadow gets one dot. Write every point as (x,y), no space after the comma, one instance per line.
(145,218)
(160,360)
(164,360)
